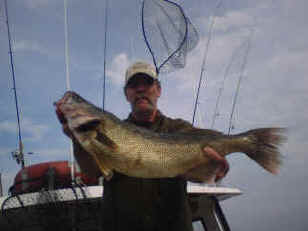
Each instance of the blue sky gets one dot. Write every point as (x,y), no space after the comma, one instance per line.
(273,92)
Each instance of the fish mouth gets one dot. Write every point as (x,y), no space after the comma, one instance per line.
(61,116)
(58,105)
(59,112)
(65,98)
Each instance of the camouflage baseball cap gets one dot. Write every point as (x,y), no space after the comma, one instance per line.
(140,67)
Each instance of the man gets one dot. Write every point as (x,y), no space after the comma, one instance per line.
(146,204)
(149,204)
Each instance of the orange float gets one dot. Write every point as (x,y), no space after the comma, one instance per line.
(48,175)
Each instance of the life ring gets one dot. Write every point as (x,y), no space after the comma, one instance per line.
(56,175)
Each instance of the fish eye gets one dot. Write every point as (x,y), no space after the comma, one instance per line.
(77,98)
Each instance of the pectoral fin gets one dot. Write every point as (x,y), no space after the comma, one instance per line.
(107,172)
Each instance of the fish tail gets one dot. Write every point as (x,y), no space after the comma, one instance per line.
(263,147)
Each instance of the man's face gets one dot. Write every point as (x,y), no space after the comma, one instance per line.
(142,93)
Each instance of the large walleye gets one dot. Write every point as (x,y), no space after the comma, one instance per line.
(119,146)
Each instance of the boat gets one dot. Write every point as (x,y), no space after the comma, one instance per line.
(45,196)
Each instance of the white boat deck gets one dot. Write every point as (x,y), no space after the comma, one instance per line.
(95,192)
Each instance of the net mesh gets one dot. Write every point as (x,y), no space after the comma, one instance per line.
(168,33)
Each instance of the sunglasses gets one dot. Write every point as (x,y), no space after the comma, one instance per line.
(134,82)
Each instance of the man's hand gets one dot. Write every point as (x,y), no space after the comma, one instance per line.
(224,165)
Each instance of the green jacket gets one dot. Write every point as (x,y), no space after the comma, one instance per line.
(148,204)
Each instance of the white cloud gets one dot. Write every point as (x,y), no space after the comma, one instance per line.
(117,69)
(218,56)
(29,46)
(30,130)
(234,20)
(36,4)
(290,61)
(8,126)
(36,131)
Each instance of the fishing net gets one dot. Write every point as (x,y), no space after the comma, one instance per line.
(168,33)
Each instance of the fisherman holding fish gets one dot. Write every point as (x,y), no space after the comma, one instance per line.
(147,159)
(132,203)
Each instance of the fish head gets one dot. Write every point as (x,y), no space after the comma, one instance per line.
(77,113)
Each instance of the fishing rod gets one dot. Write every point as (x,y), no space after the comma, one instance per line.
(205,59)
(239,81)
(105,53)
(19,155)
(234,54)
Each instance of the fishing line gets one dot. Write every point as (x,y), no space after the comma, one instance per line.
(205,59)
(14,87)
(239,81)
